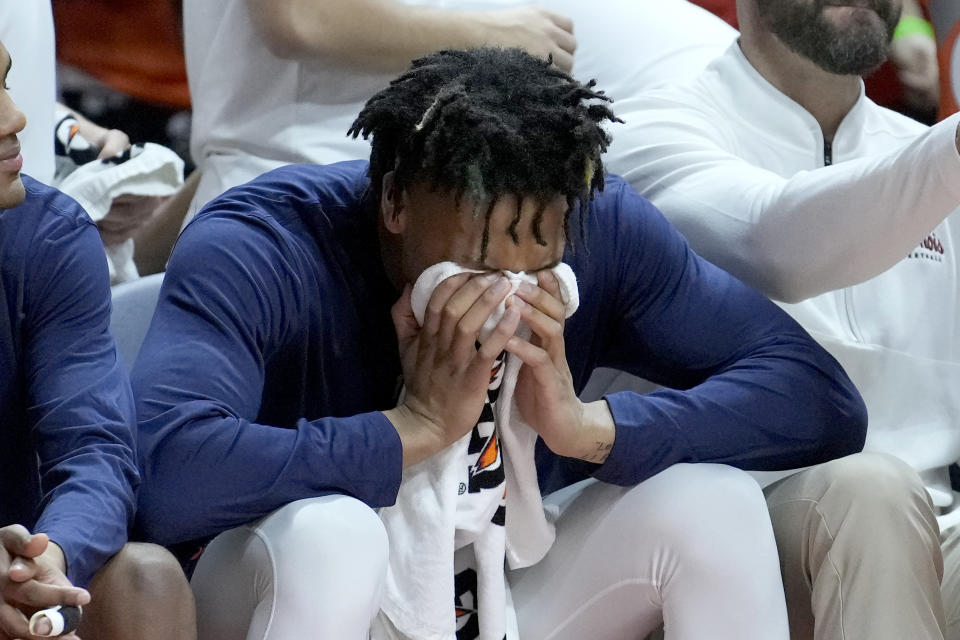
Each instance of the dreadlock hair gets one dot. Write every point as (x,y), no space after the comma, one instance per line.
(484,123)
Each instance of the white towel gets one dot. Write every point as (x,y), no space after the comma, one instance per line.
(148,170)
(478,498)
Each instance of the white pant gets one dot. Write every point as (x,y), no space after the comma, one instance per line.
(312,569)
(691,548)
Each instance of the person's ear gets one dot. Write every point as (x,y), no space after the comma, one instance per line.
(392,207)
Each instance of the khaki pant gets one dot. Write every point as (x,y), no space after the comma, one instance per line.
(950,543)
(860,552)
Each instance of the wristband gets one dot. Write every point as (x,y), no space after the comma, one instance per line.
(62,618)
(910,25)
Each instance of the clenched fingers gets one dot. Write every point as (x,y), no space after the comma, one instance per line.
(19,542)
(496,343)
(404,321)
(562,21)
(433,315)
(564,39)
(539,362)
(452,330)
(548,333)
(13,623)
(546,297)
(562,60)
(39,595)
(467,330)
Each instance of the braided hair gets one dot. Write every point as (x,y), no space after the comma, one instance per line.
(484,123)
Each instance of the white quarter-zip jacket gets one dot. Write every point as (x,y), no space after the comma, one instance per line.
(857,233)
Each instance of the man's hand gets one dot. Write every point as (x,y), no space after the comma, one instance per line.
(544,392)
(445,375)
(914,53)
(915,57)
(127,214)
(537,31)
(110,142)
(32,577)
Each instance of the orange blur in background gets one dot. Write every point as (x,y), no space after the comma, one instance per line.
(133,47)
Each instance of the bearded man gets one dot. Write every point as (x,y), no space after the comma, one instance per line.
(776,167)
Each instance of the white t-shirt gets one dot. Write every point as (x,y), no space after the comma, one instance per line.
(739,168)
(26,30)
(254,112)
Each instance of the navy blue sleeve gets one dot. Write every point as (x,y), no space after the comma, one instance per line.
(81,409)
(232,296)
(750,388)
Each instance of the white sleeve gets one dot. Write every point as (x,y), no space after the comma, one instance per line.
(792,238)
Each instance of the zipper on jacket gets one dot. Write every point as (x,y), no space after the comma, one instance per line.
(851,317)
(848,312)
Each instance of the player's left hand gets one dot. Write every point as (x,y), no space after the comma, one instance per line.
(544,392)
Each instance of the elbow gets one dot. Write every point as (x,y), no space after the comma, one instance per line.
(154,521)
(150,529)
(775,274)
(786,291)
(855,426)
(791,286)
(280,30)
(852,417)
(846,433)
(861,422)
(162,515)
(281,44)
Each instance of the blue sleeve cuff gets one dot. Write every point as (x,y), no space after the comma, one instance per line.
(389,460)
(82,562)
(647,442)
(364,457)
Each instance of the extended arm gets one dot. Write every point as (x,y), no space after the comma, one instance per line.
(385,35)
(792,238)
(81,407)
(750,387)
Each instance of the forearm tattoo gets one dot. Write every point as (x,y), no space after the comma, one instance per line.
(600,452)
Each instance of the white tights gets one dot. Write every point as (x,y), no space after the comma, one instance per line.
(691,548)
(312,569)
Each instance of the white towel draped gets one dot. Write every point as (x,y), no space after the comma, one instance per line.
(478,499)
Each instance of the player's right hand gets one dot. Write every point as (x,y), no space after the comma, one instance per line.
(445,375)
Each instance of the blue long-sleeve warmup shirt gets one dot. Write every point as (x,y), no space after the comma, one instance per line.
(272,353)
(67,464)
